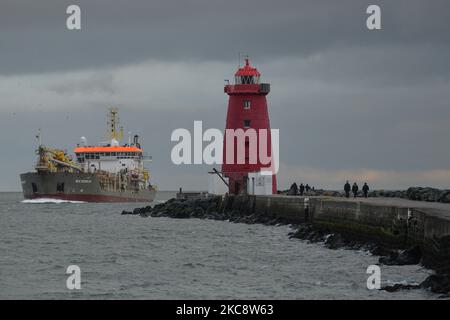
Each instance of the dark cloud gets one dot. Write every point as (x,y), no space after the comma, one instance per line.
(34,38)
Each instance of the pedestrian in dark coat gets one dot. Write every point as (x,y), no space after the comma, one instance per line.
(355,189)
(347,189)
(301,189)
(365,189)
(294,189)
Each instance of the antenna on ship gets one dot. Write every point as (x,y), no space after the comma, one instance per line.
(38,137)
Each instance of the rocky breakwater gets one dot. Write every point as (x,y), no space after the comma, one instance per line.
(233,209)
(416,193)
(278,211)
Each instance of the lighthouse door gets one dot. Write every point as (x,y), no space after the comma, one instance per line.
(237,187)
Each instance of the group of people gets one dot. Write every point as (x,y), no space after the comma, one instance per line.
(354,189)
(301,189)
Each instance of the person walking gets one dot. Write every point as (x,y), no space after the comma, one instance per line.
(355,189)
(294,189)
(301,189)
(307,188)
(365,189)
(347,189)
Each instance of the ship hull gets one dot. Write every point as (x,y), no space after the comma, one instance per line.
(77,187)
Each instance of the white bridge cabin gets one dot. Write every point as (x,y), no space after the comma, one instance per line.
(111,159)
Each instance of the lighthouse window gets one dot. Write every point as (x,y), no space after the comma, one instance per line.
(247,104)
(247,80)
(246,123)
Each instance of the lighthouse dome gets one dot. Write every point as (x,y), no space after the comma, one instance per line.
(247,74)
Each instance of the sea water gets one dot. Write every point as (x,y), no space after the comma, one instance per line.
(129,257)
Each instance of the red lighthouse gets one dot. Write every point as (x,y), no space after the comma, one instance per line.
(247,109)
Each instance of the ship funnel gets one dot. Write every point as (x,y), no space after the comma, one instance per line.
(84,141)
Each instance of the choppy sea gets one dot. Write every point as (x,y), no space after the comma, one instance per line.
(129,257)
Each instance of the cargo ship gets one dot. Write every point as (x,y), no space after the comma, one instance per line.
(106,172)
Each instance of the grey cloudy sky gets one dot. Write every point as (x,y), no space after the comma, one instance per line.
(350,103)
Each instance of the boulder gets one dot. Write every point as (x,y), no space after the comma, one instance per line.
(334,241)
(399,286)
(437,283)
(445,198)
(406,257)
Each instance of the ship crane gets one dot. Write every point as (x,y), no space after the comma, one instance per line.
(49,158)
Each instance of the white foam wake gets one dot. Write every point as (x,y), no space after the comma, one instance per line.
(50,200)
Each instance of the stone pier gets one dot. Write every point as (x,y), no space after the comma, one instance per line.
(392,222)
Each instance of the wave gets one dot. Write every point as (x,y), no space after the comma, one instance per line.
(50,200)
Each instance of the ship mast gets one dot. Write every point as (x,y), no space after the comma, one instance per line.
(113,122)
(39,137)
